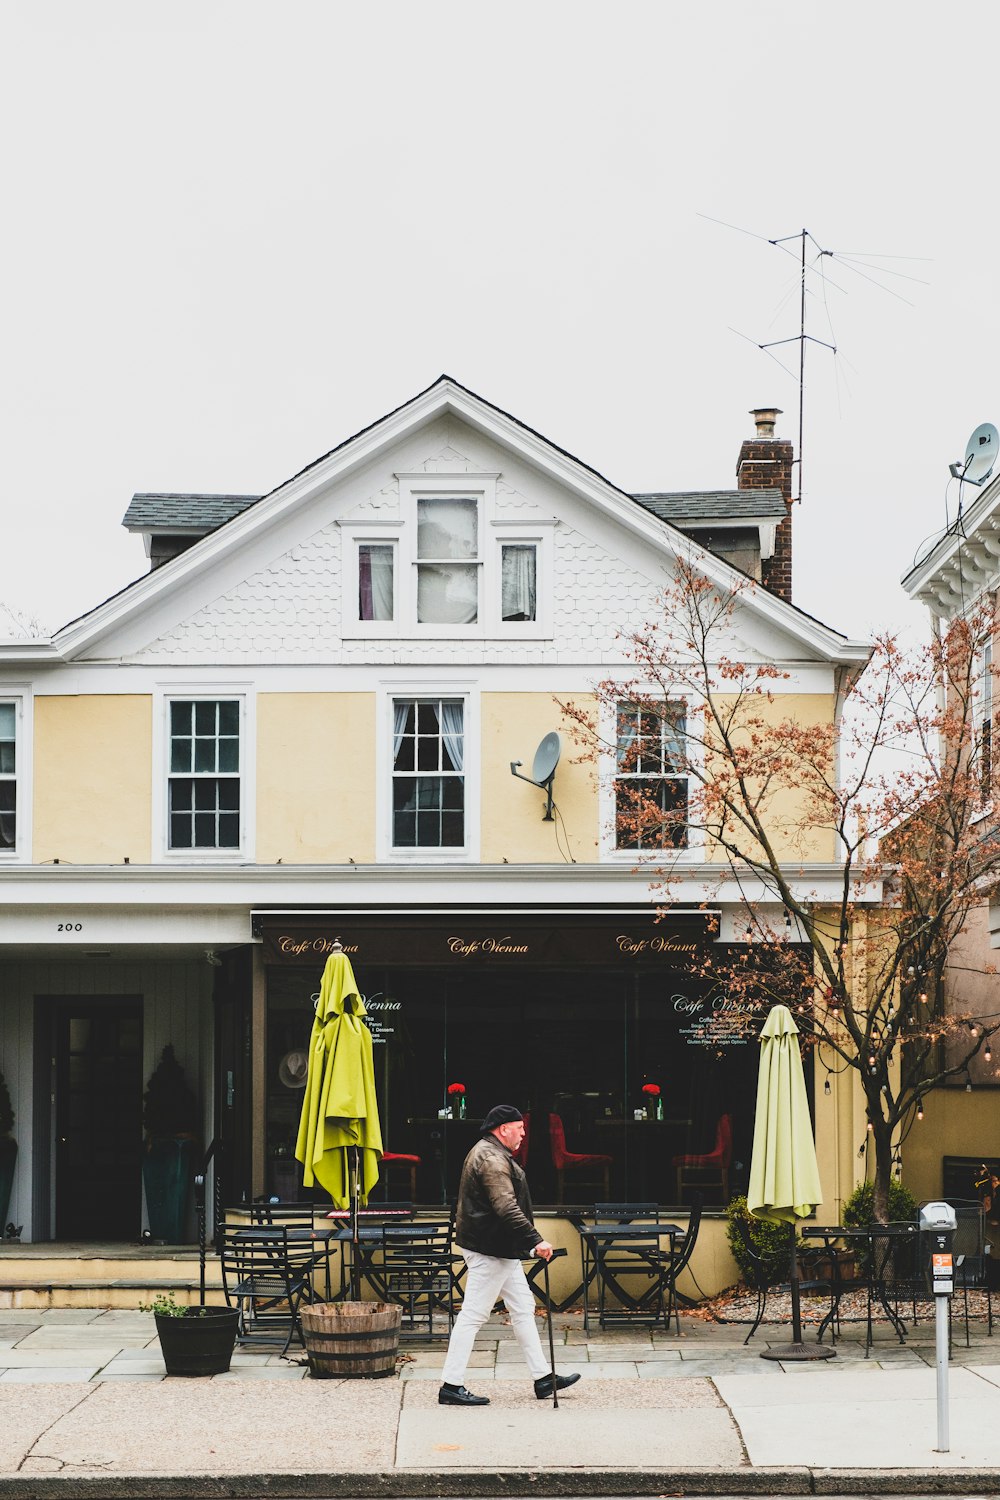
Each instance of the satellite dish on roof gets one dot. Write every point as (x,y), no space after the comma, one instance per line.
(980,455)
(543,769)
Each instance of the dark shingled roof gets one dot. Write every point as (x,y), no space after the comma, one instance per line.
(204,513)
(688,507)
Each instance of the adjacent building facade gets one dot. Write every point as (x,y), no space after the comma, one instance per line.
(300,726)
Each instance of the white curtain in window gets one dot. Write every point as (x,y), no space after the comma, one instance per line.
(517,583)
(452,725)
(375,582)
(399,712)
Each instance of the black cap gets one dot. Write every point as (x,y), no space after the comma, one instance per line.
(500,1114)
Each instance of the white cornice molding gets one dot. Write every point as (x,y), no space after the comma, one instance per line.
(965,560)
(353,886)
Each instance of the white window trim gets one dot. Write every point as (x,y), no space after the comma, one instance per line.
(20,694)
(165,694)
(468,692)
(608,730)
(493,533)
(354,534)
(538,534)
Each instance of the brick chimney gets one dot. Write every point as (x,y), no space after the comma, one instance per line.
(765,463)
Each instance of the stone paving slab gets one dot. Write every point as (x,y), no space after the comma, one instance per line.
(679,1424)
(888,1422)
(49,1374)
(180,1427)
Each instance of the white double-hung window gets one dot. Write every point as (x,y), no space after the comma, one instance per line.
(428,773)
(204,774)
(651,784)
(8,776)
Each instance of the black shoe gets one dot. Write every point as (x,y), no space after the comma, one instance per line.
(457,1395)
(543,1387)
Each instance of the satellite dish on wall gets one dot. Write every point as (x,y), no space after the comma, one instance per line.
(543,769)
(980,455)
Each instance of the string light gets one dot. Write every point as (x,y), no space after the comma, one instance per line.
(920,1109)
(988,1054)
(826,1086)
(968,1081)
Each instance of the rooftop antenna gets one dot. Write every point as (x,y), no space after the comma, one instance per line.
(847,261)
(801,338)
(543,770)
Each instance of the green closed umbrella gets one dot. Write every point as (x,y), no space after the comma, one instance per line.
(340,1141)
(784,1178)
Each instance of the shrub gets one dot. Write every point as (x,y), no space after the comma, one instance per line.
(169,1104)
(859,1210)
(770,1239)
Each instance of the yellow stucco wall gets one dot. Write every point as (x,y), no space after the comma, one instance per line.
(316,778)
(512,824)
(789,830)
(93,779)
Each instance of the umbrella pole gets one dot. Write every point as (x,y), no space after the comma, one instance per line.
(355,1287)
(794,1285)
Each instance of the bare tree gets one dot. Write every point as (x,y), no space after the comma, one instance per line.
(890,790)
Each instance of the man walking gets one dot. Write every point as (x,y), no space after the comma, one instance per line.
(494,1232)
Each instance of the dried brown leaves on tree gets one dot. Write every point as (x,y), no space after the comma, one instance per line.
(721,758)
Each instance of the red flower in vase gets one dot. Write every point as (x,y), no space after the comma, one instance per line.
(456,1088)
(651,1088)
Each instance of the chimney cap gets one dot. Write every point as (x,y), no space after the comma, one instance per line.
(765,417)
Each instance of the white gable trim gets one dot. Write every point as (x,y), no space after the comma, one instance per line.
(443,398)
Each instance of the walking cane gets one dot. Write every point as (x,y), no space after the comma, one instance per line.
(548,1318)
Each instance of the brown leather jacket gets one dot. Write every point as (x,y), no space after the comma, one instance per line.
(494,1205)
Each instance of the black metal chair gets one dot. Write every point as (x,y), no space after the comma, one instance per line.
(677,1259)
(970,1252)
(756,1274)
(417,1271)
(624,1241)
(760,1280)
(266,1279)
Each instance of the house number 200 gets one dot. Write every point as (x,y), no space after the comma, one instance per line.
(70,927)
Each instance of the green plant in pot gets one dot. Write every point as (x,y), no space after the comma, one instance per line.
(193,1340)
(170,1119)
(8,1151)
(770,1239)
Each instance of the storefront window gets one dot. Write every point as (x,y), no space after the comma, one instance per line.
(633,1061)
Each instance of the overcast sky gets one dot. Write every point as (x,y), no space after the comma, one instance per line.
(237,233)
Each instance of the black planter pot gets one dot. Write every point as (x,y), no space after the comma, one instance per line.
(199,1343)
(8,1156)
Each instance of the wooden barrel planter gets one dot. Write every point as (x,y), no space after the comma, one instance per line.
(351,1340)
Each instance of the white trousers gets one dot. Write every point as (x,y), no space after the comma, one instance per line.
(488,1279)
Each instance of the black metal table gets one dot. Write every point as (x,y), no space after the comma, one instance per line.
(883,1250)
(596,1240)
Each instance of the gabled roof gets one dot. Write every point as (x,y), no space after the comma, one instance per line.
(177,512)
(710,507)
(445,396)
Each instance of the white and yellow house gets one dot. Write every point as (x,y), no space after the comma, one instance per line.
(300,726)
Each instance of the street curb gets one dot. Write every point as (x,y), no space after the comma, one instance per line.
(511,1484)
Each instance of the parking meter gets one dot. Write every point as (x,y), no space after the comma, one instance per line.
(937,1229)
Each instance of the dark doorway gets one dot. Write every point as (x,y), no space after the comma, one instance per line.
(97,1049)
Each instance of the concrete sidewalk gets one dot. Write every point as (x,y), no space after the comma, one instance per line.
(85,1411)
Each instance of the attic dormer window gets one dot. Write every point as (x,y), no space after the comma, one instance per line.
(448,562)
